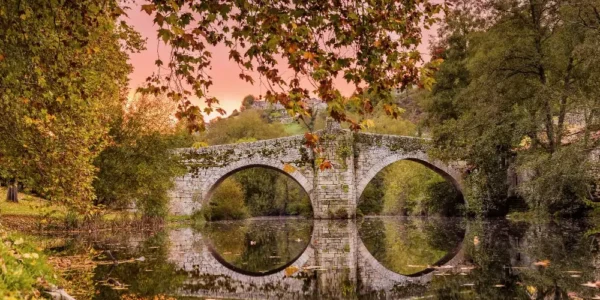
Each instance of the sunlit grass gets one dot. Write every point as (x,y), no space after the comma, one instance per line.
(29,205)
(294,129)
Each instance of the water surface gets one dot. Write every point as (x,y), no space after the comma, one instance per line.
(372,258)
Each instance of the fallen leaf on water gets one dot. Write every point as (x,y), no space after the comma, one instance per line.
(596,297)
(475,241)
(499,285)
(289,271)
(592,284)
(573,295)
(542,263)
(469,284)
(575,275)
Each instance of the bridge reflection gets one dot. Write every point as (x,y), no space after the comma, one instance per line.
(333,262)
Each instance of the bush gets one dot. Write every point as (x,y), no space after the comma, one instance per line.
(23,271)
(442,199)
(560,184)
(227,202)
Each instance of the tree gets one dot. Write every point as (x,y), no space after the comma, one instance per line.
(139,166)
(247,125)
(226,203)
(515,74)
(62,64)
(372,45)
(247,102)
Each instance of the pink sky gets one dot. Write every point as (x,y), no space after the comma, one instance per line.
(227,87)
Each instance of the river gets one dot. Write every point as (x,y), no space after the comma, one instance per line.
(369,258)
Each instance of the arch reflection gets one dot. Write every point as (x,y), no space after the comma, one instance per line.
(258,247)
(412,246)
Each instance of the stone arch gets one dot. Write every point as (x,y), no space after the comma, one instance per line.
(449,173)
(213,181)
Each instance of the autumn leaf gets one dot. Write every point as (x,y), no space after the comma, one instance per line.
(288,168)
(292,49)
(476,241)
(149,8)
(368,123)
(543,263)
(311,139)
(1,57)
(326,164)
(309,55)
(289,271)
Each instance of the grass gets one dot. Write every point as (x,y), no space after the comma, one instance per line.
(29,205)
(294,129)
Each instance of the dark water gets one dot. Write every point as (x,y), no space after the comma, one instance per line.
(372,258)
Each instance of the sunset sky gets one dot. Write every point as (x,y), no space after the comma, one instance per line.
(227,87)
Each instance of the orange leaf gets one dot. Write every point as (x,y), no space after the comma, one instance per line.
(309,55)
(326,164)
(289,168)
(289,271)
(543,263)
(311,139)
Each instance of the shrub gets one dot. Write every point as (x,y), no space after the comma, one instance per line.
(560,183)
(227,202)
(23,271)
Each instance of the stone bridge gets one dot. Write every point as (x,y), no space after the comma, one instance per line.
(334,193)
(335,265)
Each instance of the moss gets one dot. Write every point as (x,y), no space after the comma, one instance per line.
(341,213)
(345,188)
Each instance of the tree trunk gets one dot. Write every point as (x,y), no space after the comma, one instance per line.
(13,193)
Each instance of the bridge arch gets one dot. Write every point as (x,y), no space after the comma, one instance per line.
(449,173)
(212,182)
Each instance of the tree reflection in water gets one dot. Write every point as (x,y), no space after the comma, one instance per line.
(258,246)
(408,246)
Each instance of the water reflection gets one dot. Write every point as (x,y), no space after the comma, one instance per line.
(411,246)
(365,259)
(258,247)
